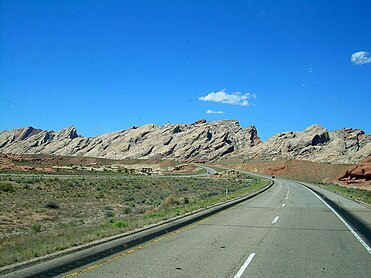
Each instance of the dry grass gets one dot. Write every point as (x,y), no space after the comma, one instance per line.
(43,215)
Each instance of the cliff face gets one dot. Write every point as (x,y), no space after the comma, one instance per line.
(199,141)
(358,173)
(317,144)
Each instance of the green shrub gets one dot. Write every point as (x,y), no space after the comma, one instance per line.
(213,193)
(51,205)
(109,213)
(120,224)
(170,201)
(127,210)
(6,187)
(36,228)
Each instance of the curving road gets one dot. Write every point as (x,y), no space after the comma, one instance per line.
(209,170)
(285,232)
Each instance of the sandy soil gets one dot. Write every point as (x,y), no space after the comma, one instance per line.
(304,170)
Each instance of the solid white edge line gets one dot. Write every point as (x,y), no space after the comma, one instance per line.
(364,244)
(244,266)
(275,220)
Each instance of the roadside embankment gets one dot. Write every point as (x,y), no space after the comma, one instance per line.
(71,258)
(357,215)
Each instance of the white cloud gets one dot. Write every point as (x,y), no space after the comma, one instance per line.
(214,112)
(361,57)
(235,98)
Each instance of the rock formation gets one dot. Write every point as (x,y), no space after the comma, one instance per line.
(316,144)
(359,172)
(200,141)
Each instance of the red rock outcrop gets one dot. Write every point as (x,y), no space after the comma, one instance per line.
(358,172)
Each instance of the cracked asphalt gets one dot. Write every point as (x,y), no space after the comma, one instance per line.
(302,238)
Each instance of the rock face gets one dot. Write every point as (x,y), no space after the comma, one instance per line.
(358,172)
(200,141)
(316,144)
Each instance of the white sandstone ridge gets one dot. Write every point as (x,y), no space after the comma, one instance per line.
(200,141)
(315,143)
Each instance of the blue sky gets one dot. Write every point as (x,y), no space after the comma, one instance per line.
(108,65)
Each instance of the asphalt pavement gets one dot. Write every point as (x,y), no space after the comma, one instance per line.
(286,231)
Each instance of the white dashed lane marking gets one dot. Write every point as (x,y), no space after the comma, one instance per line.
(275,220)
(244,266)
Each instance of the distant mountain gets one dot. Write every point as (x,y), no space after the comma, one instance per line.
(315,143)
(200,141)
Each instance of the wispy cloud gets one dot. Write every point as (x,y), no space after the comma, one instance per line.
(235,98)
(214,112)
(361,57)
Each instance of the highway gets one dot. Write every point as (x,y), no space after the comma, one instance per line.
(284,232)
(209,171)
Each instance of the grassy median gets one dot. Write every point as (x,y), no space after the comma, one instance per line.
(43,215)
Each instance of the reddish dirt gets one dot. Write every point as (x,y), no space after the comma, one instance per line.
(298,169)
(14,162)
(186,168)
(349,175)
(312,171)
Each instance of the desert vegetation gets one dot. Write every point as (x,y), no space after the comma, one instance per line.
(323,175)
(44,214)
(358,194)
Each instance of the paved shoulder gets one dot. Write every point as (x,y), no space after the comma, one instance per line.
(309,241)
(285,232)
(358,215)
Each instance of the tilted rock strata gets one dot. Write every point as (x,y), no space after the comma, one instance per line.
(316,144)
(199,141)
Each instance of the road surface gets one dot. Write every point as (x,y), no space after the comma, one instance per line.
(209,171)
(284,232)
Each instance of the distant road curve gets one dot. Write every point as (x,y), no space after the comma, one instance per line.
(209,171)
